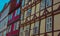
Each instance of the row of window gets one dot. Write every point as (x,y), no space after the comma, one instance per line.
(25,2)
(17,12)
(16,26)
(48,2)
(35,28)
(35,9)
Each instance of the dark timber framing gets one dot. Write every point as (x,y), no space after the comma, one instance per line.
(39,18)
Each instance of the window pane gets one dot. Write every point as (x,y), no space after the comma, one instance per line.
(28,12)
(16,25)
(48,24)
(10,16)
(36,28)
(26,33)
(42,6)
(48,3)
(22,16)
(23,3)
(17,12)
(27,30)
(0,34)
(21,31)
(4,33)
(9,28)
(18,1)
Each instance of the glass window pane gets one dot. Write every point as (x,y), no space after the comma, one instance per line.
(18,1)
(16,25)
(9,28)
(36,28)
(48,3)
(23,3)
(27,30)
(22,17)
(28,12)
(21,31)
(42,6)
(17,12)
(10,16)
(48,24)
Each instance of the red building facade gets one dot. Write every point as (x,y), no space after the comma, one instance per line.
(13,23)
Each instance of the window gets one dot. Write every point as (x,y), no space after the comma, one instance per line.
(28,12)
(26,33)
(9,28)
(22,16)
(16,25)
(42,6)
(48,24)
(10,16)
(21,31)
(36,28)
(48,3)
(0,34)
(27,30)
(17,12)
(26,2)
(4,33)
(3,23)
(18,1)
(23,3)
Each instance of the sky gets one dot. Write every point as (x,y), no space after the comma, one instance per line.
(2,3)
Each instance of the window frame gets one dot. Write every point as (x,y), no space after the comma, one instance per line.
(17,12)
(16,25)
(49,24)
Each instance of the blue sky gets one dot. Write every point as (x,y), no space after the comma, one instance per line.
(2,2)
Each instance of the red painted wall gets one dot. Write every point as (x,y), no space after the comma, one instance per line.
(12,33)
(14,18)
(13,5)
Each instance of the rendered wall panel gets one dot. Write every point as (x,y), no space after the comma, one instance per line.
(42,26)
(33,10)
(37,7)
(57,22)
(56,33)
